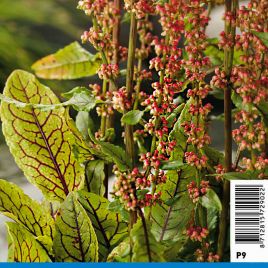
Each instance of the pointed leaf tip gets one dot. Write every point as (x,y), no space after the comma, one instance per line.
(70,62)
(40,141)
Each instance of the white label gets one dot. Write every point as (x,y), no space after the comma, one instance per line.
(249,217)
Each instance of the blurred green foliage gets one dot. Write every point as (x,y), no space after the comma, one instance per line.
(31,29)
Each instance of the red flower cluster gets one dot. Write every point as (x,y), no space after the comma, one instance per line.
(152,160)
(219,80)
(250,137)
(196,135)
(219,170)
(195,192)
(260,164)
(197,233)
(195,65)
(120,100)
(202,256)
(150,199)
(108,71)
(140,7)
(194,160)
(104,14)
(124,188)
(127,185)
(97,38)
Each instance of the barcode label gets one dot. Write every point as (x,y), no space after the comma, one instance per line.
(248,221)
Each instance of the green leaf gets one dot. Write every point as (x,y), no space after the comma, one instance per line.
(180,100)
(75,238)
(21,208)
(11,250)
(215,156)
(132,117)
(263,37)
(263,108)
(46,243)
(172,165)
(109,152)
(117,207)
(81,99)
(40,141)
(116,154)
(141,193)
(248,175)
(216,55)
(71,62)
(177,132)
(23,246)
(211,200)
(121,253)
(217,93)
(181,250)
(81,147)
(172,201)
(174,114)
(213,223)
(145,247)
(126,18)
(109,227)
(170,218)
(109,135)
(140,143)
(83,123)
(237,100)
(83,151)
(95,176)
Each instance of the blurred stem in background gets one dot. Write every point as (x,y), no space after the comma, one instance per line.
(230,7)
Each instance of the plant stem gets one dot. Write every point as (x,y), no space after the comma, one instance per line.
(106,122)
(230,6)
(139,69)
(237,157)
(103,132)
(136,103)
(106,181)
(129,140)
(109,119)
(102,53)
(115,59)
(103,117)
(146,236)
(157,123)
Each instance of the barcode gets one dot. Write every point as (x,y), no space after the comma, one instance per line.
(249,216)
(247,213)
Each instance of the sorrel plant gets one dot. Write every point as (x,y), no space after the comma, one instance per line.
(170,198)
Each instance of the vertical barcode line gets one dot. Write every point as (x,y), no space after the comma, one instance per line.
(247,214)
